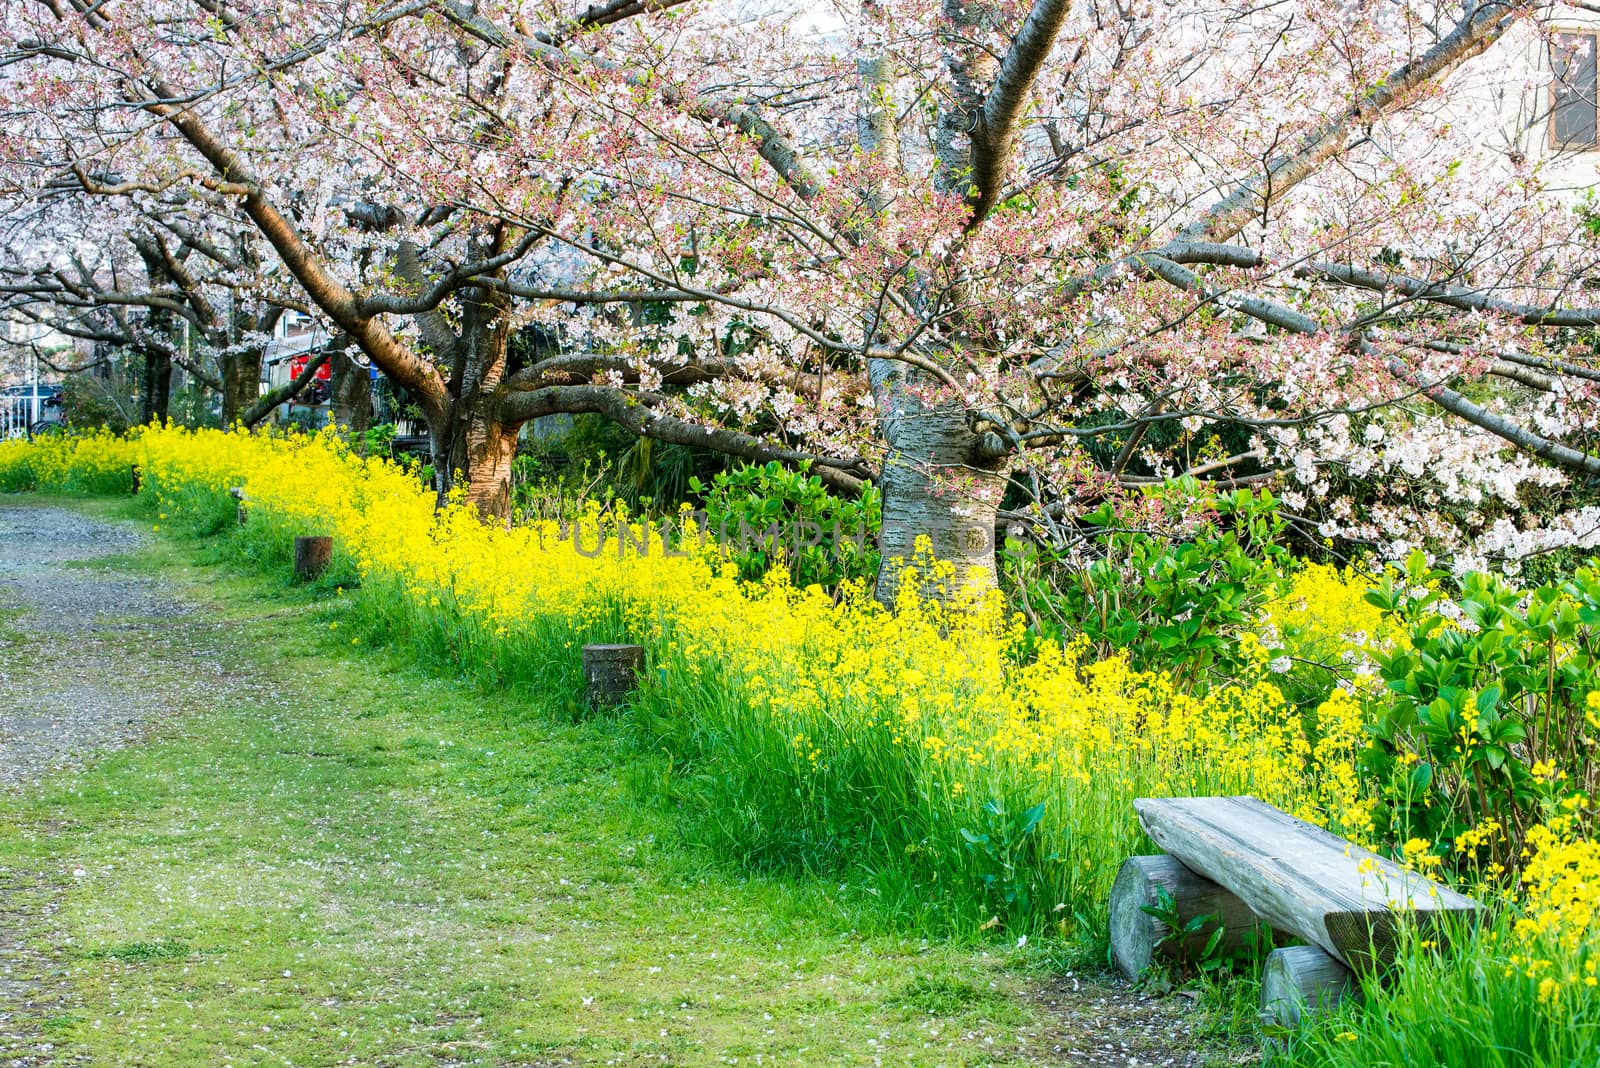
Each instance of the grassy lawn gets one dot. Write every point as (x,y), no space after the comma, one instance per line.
(339,858)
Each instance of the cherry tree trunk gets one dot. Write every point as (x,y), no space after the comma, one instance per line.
(241,383)
(156,396)
(155,385)
(476,446)
(351,394)
(935,486)
(484,448)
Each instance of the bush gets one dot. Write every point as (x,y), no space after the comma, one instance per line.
(89,403)
(766,516)
(1173,583)
(593,459)
(1492,719)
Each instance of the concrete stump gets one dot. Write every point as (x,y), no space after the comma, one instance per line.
(136,478)
(610,673)
(311,556)
(237,493)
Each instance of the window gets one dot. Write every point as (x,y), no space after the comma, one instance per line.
(1573,92)
(294,324)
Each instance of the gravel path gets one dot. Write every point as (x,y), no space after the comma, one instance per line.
(92,659)
(68,687)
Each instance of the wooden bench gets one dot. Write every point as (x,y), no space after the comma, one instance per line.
(1253,864)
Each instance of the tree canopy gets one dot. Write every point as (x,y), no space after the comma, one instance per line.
(1053,249)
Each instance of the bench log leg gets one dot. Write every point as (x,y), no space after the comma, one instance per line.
(1301,980)
(1137,936)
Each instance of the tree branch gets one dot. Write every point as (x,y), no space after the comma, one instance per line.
(995,134)
(639,412)
(1437,392)
(1482,24)
(456,278)
(1447,295)
(415,374)
(289,390)
(772,144)
(1479,416)
(576,367)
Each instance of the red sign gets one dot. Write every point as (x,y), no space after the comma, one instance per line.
(297,366)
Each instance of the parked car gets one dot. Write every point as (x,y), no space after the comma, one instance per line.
(47,393)
(26,409)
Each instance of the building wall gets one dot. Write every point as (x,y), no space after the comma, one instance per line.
(1506,93)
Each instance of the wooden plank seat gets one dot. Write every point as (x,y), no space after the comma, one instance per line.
(1298,877)
(1240,863)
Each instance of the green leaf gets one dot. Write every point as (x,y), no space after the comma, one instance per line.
(1421,777)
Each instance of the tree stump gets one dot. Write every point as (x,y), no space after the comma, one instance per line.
(610,673)
(312,555)
(1137,936)
(1301,980)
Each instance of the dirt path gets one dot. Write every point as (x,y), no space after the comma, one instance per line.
(430,918)
(69,687)
(90,659)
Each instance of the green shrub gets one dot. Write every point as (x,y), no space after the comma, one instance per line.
(1487,724)
(1172,602)
(767,516)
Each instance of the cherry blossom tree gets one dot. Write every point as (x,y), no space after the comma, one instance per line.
(373,249)
(955,247)
(166,285)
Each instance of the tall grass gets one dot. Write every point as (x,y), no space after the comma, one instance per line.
(1497,1000)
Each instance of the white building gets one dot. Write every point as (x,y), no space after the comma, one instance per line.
(1535,95)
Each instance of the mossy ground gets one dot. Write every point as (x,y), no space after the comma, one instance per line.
(338,858)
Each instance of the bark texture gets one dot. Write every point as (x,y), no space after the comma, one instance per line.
(477,443)
(351,394)
(241,382)
(935,484)
(156,388)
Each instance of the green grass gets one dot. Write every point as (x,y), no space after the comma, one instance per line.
(340,858)
(1484,1003)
